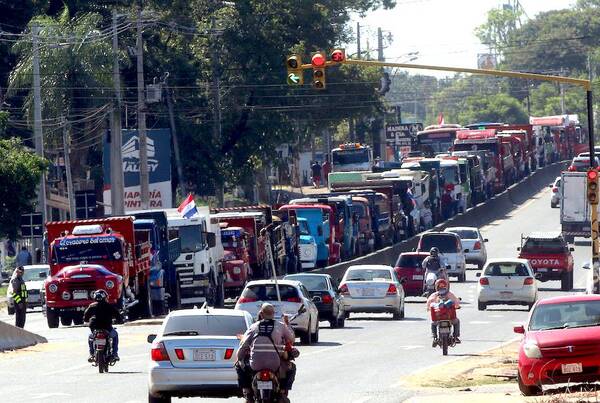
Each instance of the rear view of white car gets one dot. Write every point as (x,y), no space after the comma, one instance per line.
(555,200)
(194,354)
(372,289)
(506,282)
(293,296)
(474,242)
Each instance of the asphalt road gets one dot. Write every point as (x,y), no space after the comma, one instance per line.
(365,362)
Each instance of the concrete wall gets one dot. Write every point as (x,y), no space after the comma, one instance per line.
(498,207)
(12,338)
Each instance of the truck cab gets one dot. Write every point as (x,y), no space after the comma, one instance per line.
(308,245)
(236,262)
(351,157)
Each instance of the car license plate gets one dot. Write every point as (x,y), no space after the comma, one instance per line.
(261,385)
(418,277)
(506,294)
(204,355)
(368,292)
(80,294)
(542,270)
(574,368)
(100,342)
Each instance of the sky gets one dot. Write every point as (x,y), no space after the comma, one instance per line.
(442,31)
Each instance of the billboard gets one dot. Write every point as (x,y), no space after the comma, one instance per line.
(487,61)
(402,136)
(159,169)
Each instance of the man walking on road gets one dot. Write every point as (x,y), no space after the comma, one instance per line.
(316,174)
(19,294)
(23,257)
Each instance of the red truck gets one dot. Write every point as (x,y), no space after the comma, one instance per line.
(87,255)
(236,263)
(549,256)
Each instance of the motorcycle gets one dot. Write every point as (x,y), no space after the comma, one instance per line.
(443,313)
(266,386)
(102,346)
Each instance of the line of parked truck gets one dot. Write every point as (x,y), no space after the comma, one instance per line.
(152,261)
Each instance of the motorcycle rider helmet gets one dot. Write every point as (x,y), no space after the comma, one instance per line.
(441,285)
(100,295)
(434,251)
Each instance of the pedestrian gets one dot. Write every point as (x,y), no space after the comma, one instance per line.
(426,215)
(18,293)
(446,204)
(45,247)
(316,174)
(23,257)
(38,255)
(326,168)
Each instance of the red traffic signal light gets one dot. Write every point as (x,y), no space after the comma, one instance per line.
(318,59)
(592,174)
(338,55)
(592,186)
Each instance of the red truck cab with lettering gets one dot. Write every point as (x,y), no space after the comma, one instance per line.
(236,263)
(549,256)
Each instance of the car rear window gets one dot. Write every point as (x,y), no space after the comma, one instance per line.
(507,269)
(205,325)
(312,283)
(551,245)
(464,233)
(565,315)
(267,292)
(413,261)
(445,243)
(368,275)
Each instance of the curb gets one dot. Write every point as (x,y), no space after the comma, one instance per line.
(12,338)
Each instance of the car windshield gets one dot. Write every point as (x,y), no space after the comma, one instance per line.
(445,243)
(82,248)
(312,283)
(304,229)
(205,325)
(350,156)
(413,261)
(34,274)
(555,245)
(464,233)
(190,237)
(267,292)
(512,269)
(368,275)
(565,315)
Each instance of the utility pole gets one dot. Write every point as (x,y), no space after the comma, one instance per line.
(117,196)
(358,40)
(67,151)
(37,117)
(215,92)
(180,176)
(144,178)
(381,141)
(562,95)
(380,45)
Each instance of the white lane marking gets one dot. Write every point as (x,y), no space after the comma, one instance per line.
(326,349)
(410,347)
(363,400)
(47,395)
(496,316)
(479,322)
(75,368)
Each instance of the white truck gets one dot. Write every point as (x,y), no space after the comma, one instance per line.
(574,208)
(199,267)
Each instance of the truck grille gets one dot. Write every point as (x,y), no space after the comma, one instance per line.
(80,285)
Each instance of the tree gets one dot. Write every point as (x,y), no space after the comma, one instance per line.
(20,174)
(493,108)
(496,31)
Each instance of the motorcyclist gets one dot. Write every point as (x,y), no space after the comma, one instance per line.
(261,348)
(442,293)
(433,264)
(100,315)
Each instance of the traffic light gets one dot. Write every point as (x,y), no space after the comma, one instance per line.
(318,61)
(592,186)
(295,75)
(338,55)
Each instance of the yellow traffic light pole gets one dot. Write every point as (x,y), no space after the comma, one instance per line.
(586,84)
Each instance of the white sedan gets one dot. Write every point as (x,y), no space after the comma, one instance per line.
(293,296)
(506,282)
(194,354)
(372,289)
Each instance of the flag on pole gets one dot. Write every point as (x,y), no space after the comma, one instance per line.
(441,118)
(187,208)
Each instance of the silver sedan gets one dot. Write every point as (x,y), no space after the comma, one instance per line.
(471,239)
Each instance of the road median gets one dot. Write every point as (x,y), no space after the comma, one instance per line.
(12,338)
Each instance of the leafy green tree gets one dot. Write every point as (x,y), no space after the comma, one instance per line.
(493,108)
(20,173)
(496,31)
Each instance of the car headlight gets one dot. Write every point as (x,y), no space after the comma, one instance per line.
(110,284)
(53,288)
(66,295)
(532,350)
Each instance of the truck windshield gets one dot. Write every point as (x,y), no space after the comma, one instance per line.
(79,249)
(190,236)
(303,225)
(450,175)
(476,147)
(544,246)
(352,156)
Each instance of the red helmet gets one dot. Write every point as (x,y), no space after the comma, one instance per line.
(441,283)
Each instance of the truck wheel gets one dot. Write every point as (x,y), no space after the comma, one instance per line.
(52,318)
(78,318)
(177,299)
(220,294)
(462,277)
(306,338)
(481,306)
(159,399)
(66,319)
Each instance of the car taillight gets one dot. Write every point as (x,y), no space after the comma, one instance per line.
(228,354)
(326,299)
(244,300)
(294,299)
(571,168)
(392,290)
(554,190)
(344,289)
(528,281)
(159,352)
(179,354)
(477,245)
(484,281)
(265,375)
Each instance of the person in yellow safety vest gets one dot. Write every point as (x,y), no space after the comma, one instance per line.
(19,296)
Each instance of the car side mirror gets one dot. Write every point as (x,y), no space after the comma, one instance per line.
(151,338)
(211,239)
(586,266)
(550,186)
(466,250)
(43,274)
(485,240)
(538,276)
(403,280)
(448,267)
(477,274)
(518,248)
(519,329)
(302,309)
(572,249)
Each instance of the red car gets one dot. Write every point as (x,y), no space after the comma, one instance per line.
(409,267)
(561,343)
